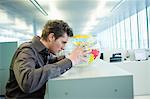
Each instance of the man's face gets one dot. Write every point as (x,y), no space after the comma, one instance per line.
(58,44)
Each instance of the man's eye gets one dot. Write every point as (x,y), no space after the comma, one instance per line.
(64,42)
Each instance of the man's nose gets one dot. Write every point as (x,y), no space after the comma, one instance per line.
(62,48)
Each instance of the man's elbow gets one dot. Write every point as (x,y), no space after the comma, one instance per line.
(26,88)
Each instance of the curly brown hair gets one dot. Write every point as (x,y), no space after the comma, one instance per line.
(58,27)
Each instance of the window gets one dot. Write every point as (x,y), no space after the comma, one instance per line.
(118,35)
(148,13)
(142,29)
(134,31)
(128,34)
(111,38)
(122,34)
(114,36)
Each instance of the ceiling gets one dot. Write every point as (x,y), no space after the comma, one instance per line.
(80,14)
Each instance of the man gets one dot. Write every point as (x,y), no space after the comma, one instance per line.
(34,63)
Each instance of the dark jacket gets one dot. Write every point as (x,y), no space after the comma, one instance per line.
(31,67)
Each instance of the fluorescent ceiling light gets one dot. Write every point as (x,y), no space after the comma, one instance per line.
(99,12)
(21,24)
(55,13)
(38,6)
(4,18)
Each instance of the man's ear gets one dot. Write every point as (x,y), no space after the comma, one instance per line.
(51,37)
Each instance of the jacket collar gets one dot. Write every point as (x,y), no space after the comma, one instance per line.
(37,44)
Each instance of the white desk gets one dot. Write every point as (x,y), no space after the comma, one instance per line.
(96,81)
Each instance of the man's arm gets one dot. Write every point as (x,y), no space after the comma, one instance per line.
(53,59)
(31,79)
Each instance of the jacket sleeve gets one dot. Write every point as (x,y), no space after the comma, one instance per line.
(31,79)
(53,59)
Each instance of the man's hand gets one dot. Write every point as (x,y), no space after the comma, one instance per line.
(78,55)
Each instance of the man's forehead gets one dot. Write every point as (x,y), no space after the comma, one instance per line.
(64,38)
